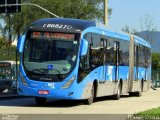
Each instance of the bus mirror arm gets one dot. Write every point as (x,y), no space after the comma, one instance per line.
(84,47)
(20,43)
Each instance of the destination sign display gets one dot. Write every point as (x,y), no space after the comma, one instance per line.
(58,26)
(5,65)
(51,35)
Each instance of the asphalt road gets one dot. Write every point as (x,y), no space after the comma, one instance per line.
(106,105)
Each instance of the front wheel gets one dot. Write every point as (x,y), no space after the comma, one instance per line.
(40,100)
(90,100)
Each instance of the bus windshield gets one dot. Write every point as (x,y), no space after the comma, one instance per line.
(54,52)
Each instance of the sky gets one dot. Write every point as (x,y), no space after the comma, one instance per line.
(133,12)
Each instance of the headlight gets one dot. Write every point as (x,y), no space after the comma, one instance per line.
(68,83)
(23,80)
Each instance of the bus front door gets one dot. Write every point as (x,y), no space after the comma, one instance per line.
(116,62)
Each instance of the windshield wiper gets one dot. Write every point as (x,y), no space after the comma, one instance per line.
(45,72)
(59,74)
(40,71)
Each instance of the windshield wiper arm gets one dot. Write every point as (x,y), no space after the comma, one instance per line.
(40,71)
(59,74)
(45,72)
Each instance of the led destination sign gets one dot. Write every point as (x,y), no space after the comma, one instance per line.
(50,35)
(60,26)
(5,64)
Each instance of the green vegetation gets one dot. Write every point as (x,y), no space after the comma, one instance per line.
(80,9)
(156,69)
(152,114)
(155,61)
(14,24)
(153,111)
(7,51)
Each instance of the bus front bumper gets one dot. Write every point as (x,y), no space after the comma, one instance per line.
(49,92)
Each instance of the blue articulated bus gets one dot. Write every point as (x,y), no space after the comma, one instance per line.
(78,59)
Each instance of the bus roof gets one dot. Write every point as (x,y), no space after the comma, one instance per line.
(122,35)
(77,25)
(63,24)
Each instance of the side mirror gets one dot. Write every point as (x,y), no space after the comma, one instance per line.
(20,43)
(84,47)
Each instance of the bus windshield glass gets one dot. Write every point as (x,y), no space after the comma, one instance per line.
(55,53)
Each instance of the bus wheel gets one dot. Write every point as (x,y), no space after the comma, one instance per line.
(118,94)
(40,100)
(90,100)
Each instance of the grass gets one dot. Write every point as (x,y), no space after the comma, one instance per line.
(151,111)
(152,114)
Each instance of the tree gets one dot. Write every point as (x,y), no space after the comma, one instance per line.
(4,46)
(80,9)
(155,61)
(147,26)
(147,29)
(129,30)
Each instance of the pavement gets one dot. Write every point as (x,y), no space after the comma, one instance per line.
(103,108)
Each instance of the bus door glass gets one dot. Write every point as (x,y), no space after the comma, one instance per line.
(97,55)
(104,69)
(136,61)
(116,59)
(109,60)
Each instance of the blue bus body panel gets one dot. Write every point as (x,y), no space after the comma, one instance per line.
(123,73)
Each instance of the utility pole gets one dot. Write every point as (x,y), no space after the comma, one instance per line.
(106,12)
(9,36)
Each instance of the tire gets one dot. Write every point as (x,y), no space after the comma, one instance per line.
(90,100)
(40,100)
(118,94)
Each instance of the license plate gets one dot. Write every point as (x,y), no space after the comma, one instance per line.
(43,92)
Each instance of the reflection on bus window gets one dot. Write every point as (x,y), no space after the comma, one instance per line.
(8,70)
(5,73)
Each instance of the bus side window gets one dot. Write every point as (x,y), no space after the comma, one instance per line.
(147,57)
(96,52)
(140,56)
(124,53)
(110,52)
